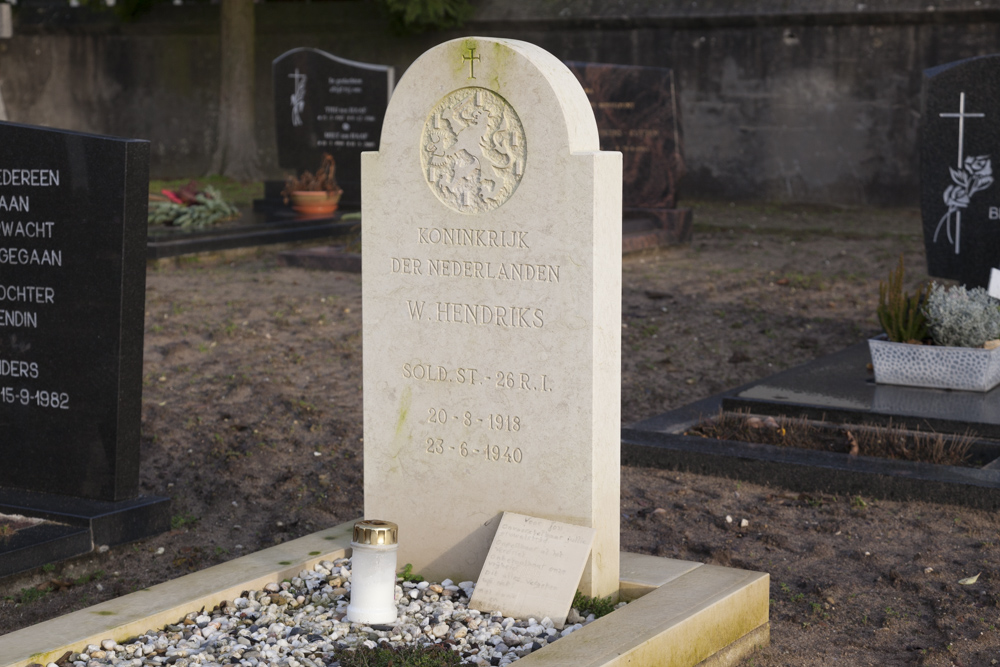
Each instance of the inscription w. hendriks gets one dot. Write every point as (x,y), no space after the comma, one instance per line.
(484,238)
(509,317)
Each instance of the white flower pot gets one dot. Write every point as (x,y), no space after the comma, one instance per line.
(938,367)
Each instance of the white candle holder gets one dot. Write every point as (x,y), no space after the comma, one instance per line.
(373,572)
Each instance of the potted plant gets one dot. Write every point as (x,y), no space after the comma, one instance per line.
(945,338)
(314,194)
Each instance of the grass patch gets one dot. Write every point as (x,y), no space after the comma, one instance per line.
(432,655)
(596,606)
(406,574)
(179,521)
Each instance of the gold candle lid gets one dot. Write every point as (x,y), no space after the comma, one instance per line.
(374,531)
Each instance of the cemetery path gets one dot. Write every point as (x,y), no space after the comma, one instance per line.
(252,425)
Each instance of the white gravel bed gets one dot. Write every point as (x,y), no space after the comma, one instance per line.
(301,623)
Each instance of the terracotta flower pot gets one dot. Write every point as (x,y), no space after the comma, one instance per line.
(315,203)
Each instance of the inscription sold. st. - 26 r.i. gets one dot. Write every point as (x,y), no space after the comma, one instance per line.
(510,380)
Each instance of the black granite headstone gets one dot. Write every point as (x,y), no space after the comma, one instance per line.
(325,104)
(960,144)
(72,294)
(637,114)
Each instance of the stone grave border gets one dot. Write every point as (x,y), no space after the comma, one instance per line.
(659,442)
(162,246)
(680,614)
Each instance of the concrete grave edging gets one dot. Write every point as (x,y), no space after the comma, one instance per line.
(684,613)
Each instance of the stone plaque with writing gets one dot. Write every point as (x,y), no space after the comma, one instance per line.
(959,149)
(533,568)
(72,289)
(326,104)
(492,328)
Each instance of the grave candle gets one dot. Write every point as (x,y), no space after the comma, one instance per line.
(373,578)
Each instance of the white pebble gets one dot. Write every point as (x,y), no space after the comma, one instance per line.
(313,604)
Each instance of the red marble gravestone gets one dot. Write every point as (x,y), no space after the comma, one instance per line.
(637,114)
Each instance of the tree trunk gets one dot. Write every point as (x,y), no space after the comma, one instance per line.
(236,152)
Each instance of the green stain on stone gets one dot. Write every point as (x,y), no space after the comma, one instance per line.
(499,59)
(315,553)
(284,562)
(404,410)
(103,613)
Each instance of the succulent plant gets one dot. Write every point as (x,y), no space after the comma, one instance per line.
(958,317)
(901,315)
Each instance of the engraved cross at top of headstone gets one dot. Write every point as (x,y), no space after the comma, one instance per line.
(961,116)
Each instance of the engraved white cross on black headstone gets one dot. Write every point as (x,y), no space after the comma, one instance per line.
(961,116)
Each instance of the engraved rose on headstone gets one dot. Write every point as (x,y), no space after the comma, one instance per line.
(976,175)
(473,150)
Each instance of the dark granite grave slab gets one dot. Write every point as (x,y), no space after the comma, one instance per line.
(48,542)
(73,275)
(840,388)
(637,114)
(325,104)
(837,389)
(76,340)
(283,228)
(108,522)
(959,149)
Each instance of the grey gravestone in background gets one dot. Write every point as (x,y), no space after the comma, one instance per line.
(960,146)
(72,296)
(325,104)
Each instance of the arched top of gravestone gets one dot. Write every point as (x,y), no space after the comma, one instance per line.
(480,113)
(932,72)
(342,61)
(524,75)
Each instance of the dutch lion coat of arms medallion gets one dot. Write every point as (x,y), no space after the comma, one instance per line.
(473,150)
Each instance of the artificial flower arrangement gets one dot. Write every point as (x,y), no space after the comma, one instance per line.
(190,207)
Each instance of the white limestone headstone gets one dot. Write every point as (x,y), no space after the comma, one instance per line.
(492,309)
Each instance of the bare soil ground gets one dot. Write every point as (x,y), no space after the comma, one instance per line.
(252,424)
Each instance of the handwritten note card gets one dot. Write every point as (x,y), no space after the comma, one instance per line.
(533,568)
